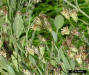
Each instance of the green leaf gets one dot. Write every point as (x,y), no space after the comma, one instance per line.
(32,60)
(53,62)
(15,62)
(3,60)
(39,70)
(10,70)
(72,62)
(2,20)
(18,26)
(59,21)
(64,59)
(42,51)
(5,65)
(54,36)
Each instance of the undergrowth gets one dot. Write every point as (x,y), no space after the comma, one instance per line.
(44,37)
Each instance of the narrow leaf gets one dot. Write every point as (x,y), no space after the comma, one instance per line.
(54,36)
(32,60)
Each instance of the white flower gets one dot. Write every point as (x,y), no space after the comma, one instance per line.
(73,48)
(78,59)
(74,16)
(26,72)
(65,31)
(36,1)
(30,50)
(3,53)
(66,13)
(71,54)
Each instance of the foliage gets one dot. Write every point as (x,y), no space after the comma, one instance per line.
(44,37)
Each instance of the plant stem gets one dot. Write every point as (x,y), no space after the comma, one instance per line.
(33,35)
(83,21)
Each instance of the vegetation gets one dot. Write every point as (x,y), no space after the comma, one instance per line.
(44,37)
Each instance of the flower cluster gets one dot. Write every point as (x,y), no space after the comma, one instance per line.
(67,13)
